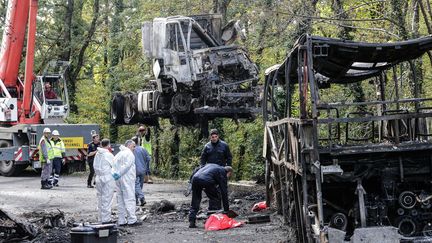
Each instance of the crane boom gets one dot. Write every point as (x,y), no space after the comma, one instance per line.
(29,77)
(13,41)
(21,16)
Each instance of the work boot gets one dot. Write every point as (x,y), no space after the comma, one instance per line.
(192,224)
(142,202)
(45,185)
(137,223)
(49,185)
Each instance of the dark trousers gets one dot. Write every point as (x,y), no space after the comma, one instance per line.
(56,168)
(91,175)
(57,163)
(212,193)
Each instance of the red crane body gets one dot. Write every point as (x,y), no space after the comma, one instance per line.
(21,15)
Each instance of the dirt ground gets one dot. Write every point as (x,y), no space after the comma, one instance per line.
(22,197)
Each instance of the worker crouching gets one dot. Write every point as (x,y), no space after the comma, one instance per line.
(208,178)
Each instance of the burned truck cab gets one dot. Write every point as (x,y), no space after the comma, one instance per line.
(348,140)
(196,73)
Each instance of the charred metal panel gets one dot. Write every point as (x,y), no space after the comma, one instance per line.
(147,39)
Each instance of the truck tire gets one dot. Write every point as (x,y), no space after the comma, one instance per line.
(117,109)
(130,108)
(8,167)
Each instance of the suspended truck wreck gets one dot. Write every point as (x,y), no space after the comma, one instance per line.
(197,75)
(342,167)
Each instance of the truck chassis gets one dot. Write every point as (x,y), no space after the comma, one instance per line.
(19,146)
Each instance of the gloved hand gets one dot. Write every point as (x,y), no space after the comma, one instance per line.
(63,161)
(48,161)
(188,190)
(116,176)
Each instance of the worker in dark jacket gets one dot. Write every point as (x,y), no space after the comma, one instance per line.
(207,178)
(216,151)
(91,153)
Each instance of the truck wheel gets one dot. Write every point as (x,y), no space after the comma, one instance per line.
(117,109)
(130,108)
(8,167)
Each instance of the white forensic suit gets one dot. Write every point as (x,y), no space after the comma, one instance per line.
(124,165)
(105,184)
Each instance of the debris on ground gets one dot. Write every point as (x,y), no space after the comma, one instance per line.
(53,235)
(184,208)
(37,227)
(259,206)
(259,218)
(124,231)
(255,197)
(163,206)
(14,229)
(47,219)
(231,213)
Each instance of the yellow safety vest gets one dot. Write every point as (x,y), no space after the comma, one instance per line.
(58,148)
(146,145)
(50,151)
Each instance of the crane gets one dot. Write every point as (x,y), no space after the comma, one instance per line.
(29,104)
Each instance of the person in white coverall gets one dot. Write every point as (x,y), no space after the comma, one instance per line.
(105,184)
(124,174)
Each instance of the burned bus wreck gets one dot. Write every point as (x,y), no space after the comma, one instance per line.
(347,167)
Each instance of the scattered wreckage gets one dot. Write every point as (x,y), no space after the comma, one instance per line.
(33,227)
(345,168)
(198,76)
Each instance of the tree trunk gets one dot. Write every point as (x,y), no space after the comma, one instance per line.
(78,63)
(115,56)
(156,150)
(175,149)
(105,37)
(345,33)
(242,151)
(220,7)
(66,44)
(263,30)
(398,12)
(418,64)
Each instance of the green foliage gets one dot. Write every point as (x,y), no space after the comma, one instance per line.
(113,60)
(250,136)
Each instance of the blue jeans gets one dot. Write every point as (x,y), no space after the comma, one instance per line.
(147,168)
(139,182)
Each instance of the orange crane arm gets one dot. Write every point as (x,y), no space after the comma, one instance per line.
(13,41)
(29,76)
(21,15)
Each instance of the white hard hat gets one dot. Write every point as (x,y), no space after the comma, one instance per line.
(55,133)
(47,130)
